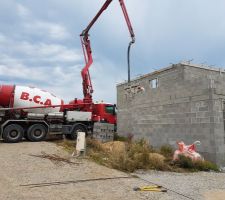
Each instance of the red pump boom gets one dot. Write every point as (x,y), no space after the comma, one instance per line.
(86,45)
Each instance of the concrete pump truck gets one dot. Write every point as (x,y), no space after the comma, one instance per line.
(32,113)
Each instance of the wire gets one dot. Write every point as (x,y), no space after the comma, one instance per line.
(47,184)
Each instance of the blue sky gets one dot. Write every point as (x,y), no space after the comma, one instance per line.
(40,45)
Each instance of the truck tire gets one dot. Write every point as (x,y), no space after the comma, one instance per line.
(36,133)
(77,128)
(13,133)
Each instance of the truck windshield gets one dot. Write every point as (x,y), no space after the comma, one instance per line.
(109,109)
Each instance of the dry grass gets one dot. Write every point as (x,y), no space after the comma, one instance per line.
(167,151)
(56,159)
(68,145)
(129,156)
(126,156)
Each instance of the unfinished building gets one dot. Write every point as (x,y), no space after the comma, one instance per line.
(181,102)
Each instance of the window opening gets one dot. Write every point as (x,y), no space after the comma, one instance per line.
(154,83)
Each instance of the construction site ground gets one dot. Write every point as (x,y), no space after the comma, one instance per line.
(20,167)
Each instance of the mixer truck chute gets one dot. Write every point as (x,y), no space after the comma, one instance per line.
(34,113)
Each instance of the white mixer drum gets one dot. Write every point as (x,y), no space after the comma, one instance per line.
(33,97)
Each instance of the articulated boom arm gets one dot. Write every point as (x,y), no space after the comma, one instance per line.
(87,85)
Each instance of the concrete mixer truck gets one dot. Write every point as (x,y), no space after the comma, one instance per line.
(32,113)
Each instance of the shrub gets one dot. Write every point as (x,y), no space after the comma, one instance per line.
(184,162)
(94,145)
(119,138)
(97,157)
(157,161)
(205,166)
(137,155)
(167,151)
(122,162)
(187,163)
(130,137)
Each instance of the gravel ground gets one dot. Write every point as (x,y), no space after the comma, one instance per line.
(19,168)
(198,186)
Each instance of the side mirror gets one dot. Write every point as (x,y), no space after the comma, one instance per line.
(114,109)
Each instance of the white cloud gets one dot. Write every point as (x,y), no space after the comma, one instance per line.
(60,80)
(38,52)
(49,52)
(14,68)
(2,38)
(39,27)
(37,64)
(104,77)
(54,31)
(23,11)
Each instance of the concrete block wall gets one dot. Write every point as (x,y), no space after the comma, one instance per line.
(185,106)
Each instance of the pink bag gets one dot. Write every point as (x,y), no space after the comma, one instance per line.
(188,151)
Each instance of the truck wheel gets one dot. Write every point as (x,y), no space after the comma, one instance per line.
(13,133)
(36,133)
(76,129)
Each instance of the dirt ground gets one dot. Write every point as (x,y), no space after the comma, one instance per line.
(19,167)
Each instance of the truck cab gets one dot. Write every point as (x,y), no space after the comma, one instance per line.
(104,112)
